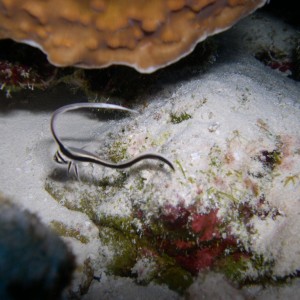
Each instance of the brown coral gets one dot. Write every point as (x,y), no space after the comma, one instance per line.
(146,35)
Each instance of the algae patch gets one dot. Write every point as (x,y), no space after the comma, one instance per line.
(124,250)
(117,151)
(178,118)
(65,231)
(132,248)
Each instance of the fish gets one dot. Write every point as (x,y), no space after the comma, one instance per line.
(71,155)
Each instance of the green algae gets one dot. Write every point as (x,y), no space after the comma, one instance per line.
(229,196)
(140,183)
(180,167)
(291,180)
(263,268)
(178,118)
(119,234)
(124,249)
(175,278)
(88,270)
(65,231)
(53,192)
(124,237)
(116,182)
(234,269)
(160,140)
(216,157)
(117,151)
(87,206)
(122,224)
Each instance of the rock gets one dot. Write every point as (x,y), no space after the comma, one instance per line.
(34,262)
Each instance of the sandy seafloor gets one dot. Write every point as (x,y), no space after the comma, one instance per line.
(239,108)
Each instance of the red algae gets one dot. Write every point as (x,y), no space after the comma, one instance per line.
(192,239)
(206,224)
(175,216)
(17,76)
(200,259)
